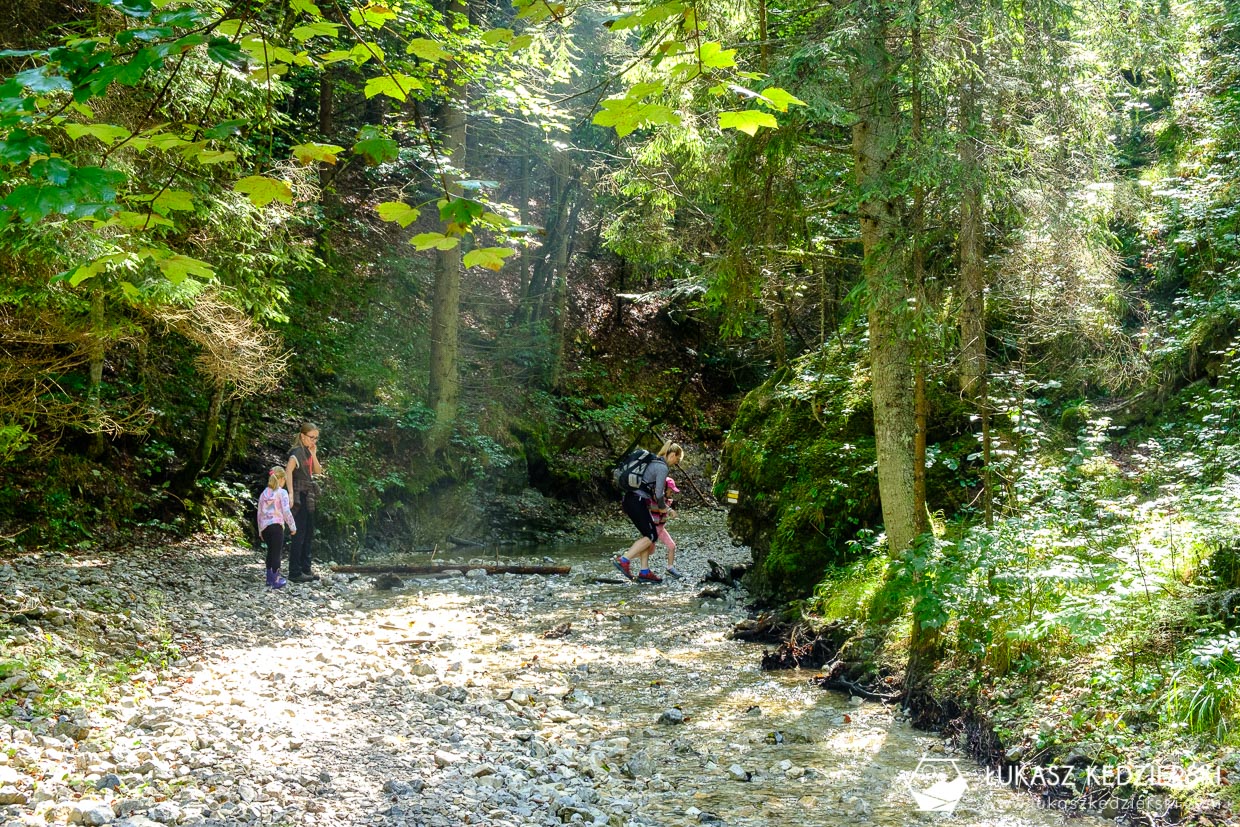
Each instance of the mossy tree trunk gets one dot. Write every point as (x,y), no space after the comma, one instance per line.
(444,386)
(877,135)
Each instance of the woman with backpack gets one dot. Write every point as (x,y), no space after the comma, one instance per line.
(637,503)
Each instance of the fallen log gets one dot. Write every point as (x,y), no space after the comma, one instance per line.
(442,568)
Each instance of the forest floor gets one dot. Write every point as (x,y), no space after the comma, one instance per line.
(167,685)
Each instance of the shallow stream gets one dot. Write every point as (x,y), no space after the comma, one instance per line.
(755,748)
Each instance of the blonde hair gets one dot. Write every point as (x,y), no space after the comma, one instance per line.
(275,477)
(302,430)
(670,447)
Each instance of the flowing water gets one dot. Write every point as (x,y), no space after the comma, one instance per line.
(755,748)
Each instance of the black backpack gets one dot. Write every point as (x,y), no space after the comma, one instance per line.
(627,475)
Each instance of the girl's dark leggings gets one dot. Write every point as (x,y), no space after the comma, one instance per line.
(273,536)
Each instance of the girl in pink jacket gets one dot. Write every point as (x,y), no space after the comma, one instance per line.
(273,515)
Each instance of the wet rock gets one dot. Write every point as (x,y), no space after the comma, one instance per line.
(672,716)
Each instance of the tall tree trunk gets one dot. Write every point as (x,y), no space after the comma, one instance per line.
(885,268)
(925,642)
(921,403)
(210,429)
(231,425)
(559,318)
(327,125)
(98,335)
(972,283)
(444,387)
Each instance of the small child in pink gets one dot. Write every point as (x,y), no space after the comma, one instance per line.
(273,515)
(660,517)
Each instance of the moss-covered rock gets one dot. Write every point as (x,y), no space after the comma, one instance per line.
(801,456)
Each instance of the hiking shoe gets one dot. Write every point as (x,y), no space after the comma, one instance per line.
(309,576)
(672,571)
(623,566)
(298,577)
(648,576)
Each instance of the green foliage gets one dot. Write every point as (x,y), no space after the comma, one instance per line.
(1204,691)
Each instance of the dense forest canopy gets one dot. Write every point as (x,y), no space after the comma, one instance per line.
(958,280)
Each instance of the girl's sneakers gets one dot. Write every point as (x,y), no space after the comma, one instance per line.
(672,571)
(647,576)
(622,565)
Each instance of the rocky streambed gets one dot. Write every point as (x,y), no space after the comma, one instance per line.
(471,699)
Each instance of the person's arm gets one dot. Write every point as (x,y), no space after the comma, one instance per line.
(660,483)
(314,466)
(288,512)
(288,478)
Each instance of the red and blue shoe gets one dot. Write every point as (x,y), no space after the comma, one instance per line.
(622,565)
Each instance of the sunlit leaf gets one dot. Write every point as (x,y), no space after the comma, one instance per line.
(213,156)
(748,121)
(169,200)
(396,86)
(398,211)
(427,50)
(374,15)
(311,152)
(318,29)
(491,258)
(713,56)
(177,268)
(262,190)
(494,37)
(100,265)
(627,115)
(305,7)
(779,98)
(438,241)
(107,133)
(137,220)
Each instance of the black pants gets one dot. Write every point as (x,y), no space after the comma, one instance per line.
(299,549)
(637,509)
(273,536)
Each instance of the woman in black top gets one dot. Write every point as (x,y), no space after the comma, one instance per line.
(303,464)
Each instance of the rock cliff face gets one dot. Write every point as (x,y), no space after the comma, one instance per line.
(801,457)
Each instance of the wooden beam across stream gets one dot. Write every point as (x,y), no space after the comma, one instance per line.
(441,568)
